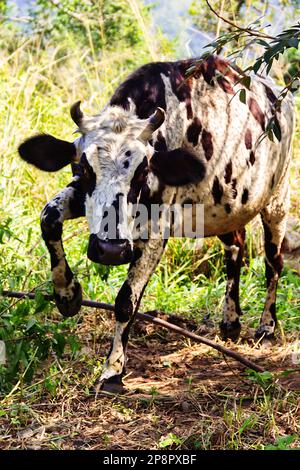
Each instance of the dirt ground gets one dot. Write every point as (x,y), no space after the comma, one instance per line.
(179,395)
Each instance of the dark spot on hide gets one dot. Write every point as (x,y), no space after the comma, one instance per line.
(160,143)
(177,167)
(193,131)
(228,172)
(123,304)
(227,208)
(252,157)
(234,190)
(256,112)
(270,95)
(217,191)
(138,181)
(248,139)
(245,196)
(207,144)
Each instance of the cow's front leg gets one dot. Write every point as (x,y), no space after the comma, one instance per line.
(146,257)
(68,204)
(234,247)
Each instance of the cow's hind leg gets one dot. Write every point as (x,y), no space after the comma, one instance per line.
(68,204)
(234,247)
(274,223)
(146,257)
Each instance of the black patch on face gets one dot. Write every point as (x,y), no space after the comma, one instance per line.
(160,143)
(117,206)
(87,176)
(138,181)
(123,305)
(217,191)
(252,157)
(47,153)
(228,172)
(207,144)
(256,112)
(245,196)
(177,167)
(234,190)
(227,208)
(193,131)
(248,139)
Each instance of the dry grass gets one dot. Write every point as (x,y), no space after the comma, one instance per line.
(176,390)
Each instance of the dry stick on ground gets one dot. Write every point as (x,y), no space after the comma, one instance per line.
(157,321)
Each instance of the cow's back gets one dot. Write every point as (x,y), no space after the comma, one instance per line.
(205,115)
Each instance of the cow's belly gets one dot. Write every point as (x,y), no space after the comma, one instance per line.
(220,224)
(206,221)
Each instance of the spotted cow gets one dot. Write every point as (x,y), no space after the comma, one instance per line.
(166,138)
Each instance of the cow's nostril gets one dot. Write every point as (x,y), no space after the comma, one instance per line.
(109,252)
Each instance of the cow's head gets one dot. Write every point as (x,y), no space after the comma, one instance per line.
(115,163)
(112,160)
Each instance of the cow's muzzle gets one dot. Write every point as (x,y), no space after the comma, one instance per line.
(109,252)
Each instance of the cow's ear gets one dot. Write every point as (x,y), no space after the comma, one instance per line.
(177,167)
(47,153)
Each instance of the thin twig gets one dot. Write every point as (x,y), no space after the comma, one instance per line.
(251,32)
(157,321)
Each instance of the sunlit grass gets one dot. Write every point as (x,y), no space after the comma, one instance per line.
(37,87)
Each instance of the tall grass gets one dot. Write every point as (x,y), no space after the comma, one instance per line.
(37,86)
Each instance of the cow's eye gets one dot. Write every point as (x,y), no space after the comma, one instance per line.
(126,164)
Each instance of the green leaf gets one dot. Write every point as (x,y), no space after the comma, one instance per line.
(242,95)
(263,43)
(257,65)
(277,130)
(31,322)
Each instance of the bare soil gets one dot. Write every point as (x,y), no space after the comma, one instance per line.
(175,389)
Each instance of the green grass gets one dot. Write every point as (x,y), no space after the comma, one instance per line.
(37,86)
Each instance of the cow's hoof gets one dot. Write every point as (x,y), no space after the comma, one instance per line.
(264,334)
(67,307)
(230,330)
(113,385)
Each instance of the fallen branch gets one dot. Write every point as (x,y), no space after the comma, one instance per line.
(157,321)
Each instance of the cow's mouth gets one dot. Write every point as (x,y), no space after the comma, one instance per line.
(109,252)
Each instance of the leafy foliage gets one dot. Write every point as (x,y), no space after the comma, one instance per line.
(100,24)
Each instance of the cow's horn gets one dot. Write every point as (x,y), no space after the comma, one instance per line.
(76,113)
(154,122)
